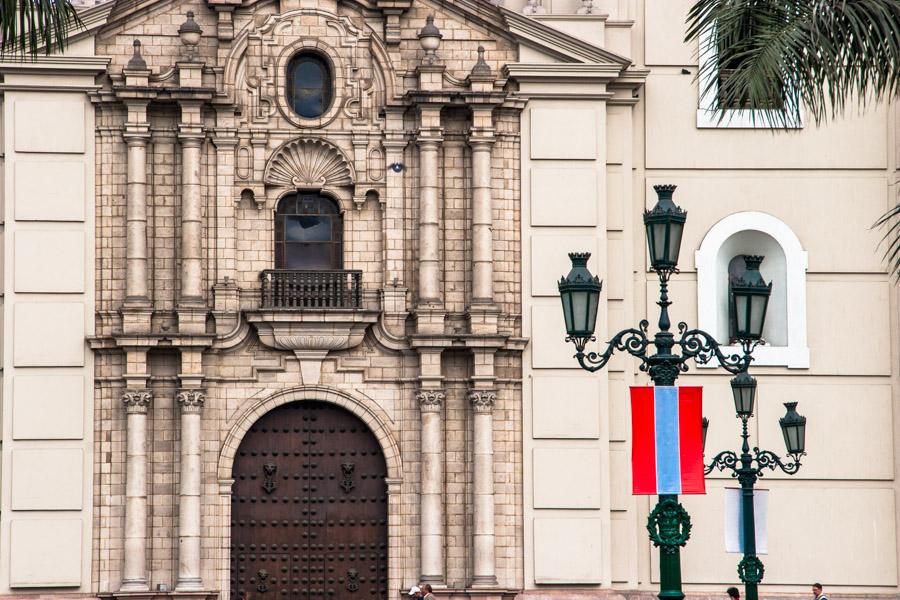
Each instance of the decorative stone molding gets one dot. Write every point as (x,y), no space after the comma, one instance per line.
(308,164)
(430,400)
(311,334)
(483,400)
(191,400)
(137,401)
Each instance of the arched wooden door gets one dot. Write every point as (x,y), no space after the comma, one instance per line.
(309,508)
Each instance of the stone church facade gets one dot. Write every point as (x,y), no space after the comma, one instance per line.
(279,313)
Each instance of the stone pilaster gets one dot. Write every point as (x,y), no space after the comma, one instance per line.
(482,310)
(136,310)
(482,402)
(189,515)
(191,309)
(432,500)
(134,569)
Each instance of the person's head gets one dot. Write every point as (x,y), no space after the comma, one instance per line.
(733,593)
(817,588)
(414,592)
(427,588)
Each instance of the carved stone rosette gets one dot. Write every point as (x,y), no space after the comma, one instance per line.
(191,400)
(430,400)
(137,401)
(483,400)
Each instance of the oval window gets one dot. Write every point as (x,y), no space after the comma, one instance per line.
(309,86)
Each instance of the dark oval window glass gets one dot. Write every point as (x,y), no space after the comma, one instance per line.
(309,233)
(309,85)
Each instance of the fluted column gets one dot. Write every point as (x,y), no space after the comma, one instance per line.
(483,406)
(189,575)
(431,498)
(481,143)
(136,281)
(134,571)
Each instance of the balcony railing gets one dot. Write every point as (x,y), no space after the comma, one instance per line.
(290,289)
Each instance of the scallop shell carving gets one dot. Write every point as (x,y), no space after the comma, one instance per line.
(308,164)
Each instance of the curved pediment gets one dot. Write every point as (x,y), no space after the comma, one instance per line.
(311,164)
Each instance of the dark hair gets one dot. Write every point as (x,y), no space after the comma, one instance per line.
(733,592)
(427,587)
(817,585)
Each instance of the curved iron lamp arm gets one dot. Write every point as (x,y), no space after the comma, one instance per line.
(697,344)
(722,461)
(766,459)
(632,341)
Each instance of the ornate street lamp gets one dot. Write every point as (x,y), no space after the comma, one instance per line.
(669,524)
(749,300)
(748,467)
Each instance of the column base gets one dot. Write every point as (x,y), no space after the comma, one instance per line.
(134,586)
(136,316)
(160,595)
(484,581)
(430,318)
(483,318)
(189,584)
(192,318)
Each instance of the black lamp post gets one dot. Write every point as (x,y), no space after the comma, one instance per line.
(748,467)
(669,524)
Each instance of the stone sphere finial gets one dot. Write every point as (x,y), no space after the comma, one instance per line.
(430,39)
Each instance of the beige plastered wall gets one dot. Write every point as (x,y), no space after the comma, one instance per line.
(47,234)
(836,520)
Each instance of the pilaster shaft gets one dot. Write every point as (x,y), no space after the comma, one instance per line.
(189,576)
(483,405)
(481,143)
(432,505)
(429,226)
(191,274)
(134,570)
(136,280)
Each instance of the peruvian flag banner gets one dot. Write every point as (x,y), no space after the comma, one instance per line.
(666,446)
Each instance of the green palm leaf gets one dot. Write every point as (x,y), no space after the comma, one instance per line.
(817,56)
(30,26)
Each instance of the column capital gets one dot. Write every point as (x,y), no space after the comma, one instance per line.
(137,401)
(429,137)
(190,137)
(430,400)
(191,401)
(482,400)
(136,135)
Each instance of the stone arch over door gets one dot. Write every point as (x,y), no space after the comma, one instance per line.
(309,508)
(368,416)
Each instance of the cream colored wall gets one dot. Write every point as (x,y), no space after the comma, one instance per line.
(836,520)
(48,208)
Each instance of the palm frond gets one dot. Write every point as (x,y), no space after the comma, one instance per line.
(816,54)
(30,26)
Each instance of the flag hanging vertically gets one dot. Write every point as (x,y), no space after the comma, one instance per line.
(666,446)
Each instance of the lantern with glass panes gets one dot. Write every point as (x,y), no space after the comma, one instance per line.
(580,295)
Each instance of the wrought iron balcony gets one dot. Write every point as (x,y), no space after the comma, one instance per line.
(293,289)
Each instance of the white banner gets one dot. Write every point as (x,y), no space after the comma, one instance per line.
(734,519)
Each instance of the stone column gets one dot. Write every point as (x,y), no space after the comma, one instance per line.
(136,288)
(134,570)
(432,505)
(483,406)
(189,576)
(481,141)
(191,276)
(429,141)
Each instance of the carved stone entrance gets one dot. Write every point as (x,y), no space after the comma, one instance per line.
(309,508)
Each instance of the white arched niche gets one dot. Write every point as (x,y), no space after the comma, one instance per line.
(784,266)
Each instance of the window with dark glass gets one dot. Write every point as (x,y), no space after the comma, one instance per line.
(309,85)
(309,233)
(730,61)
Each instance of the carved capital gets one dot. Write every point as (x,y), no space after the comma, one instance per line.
(430,400)
(483,400)
(137,401)
(191,400)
